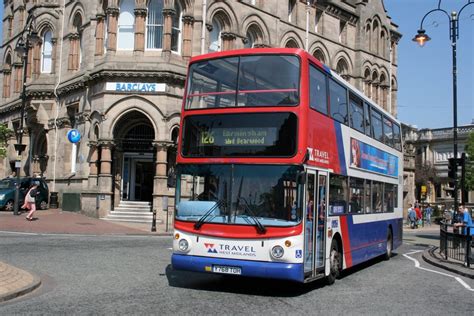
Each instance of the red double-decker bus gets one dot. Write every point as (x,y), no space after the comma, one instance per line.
(284,169)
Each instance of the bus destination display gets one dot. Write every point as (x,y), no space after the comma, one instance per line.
(238,135)
(251,136)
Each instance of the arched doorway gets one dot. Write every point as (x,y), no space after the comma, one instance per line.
(133,136)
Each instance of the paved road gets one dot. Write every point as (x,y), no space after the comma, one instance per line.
(132,275)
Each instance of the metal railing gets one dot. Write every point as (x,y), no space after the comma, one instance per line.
(456,243)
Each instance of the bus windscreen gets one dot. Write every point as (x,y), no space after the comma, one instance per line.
(240,135)
(257,80)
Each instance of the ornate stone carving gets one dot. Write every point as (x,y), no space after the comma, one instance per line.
(140,11)
(187,19)
(61,122)
(112,11)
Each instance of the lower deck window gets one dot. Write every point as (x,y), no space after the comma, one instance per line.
(351,195)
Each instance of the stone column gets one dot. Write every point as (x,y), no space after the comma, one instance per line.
(188,22)
(93,170)
(160,188)
(112,14)
(140,16)
(167,28)
(106,158)
(227,39)
(100,34)
(105,178)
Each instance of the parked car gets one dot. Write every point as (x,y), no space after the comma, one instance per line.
(7,192)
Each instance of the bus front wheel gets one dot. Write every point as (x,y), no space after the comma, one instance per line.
(335,262)
(389,246)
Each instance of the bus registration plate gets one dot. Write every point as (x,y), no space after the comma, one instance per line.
(226,269)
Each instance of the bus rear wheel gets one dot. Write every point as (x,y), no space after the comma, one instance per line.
(389,246)
(335,263)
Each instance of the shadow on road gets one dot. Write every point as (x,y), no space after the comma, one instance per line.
(251,286)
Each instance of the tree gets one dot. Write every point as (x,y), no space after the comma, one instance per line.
(469,149)
(5,134)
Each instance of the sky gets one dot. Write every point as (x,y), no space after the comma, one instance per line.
(425,80)
(425,74)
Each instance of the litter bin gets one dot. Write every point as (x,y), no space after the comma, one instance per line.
(53,200)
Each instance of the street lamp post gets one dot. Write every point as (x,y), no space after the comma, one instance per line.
(28,37)
(421,38)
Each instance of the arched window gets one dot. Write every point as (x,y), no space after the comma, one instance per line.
(291,44)
(367,83)
(254,36)
(291,9)
(176,29)
(215,44)
(382,43)
(7,76)
(375,37)
(383,91)
(154,25)
(368,34)
(318,21)
(75,43)
(375,87)
(47,53)
(319,55)
(343,69)
(126,23)
(250,40)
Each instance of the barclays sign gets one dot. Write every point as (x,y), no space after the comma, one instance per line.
(135,87)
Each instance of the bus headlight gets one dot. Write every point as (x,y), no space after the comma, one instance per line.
(277,252)
(183,245)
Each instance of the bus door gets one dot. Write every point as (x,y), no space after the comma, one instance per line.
(315,221)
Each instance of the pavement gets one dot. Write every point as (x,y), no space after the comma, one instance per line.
(433,256)
(15,282)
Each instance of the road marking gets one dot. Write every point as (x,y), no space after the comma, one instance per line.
(78,235)
(417,265)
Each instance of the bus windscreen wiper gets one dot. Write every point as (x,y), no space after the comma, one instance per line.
(261,229)
(203,218)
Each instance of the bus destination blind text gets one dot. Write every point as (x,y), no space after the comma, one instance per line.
(253,136)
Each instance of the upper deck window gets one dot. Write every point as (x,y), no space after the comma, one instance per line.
(338,99)
(262,80)
(318,90)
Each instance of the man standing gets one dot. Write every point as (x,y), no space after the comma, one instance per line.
(428,212)
(465,220)
(412,217)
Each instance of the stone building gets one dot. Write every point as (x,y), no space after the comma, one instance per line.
(426,164)
(115,71)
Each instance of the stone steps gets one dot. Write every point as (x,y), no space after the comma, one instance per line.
(131,211)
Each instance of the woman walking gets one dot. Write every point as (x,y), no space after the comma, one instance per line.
(30,200)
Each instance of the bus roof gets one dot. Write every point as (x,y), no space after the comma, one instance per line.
(293,51)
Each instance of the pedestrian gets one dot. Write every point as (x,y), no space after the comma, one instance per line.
(30,200)
(464,220)
(412,217)
(419,216)
(428,212)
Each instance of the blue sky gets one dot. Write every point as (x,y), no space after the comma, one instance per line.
(425,94)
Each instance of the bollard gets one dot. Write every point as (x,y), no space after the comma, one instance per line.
(153,222)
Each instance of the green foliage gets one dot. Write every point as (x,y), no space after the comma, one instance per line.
(470,162)
(5,134)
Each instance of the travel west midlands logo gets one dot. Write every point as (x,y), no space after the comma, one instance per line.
(210,248)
